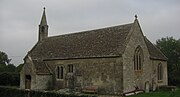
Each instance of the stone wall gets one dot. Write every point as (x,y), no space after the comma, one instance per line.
(155,64)
(132,78)
(26,70)
(37,81)
(104,73)
(43,82)
(148,74)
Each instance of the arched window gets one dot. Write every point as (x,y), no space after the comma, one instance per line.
(160,71)
(70,68)
(57,72)
(42,29)
(138,58)
(60,72)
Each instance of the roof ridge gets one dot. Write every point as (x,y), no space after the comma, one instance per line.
(101,42)
(90,30)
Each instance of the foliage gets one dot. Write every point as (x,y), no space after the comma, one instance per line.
(2,67)
(171,48)
(4,58)
(10,68)
(13,92)
(9,79)
(159,94)
(19,67)
(5,65)
(9,74)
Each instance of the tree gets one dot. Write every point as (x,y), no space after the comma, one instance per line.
(8,74)
(5,64)
(19,67)
(4,60)
(171,48)
(10,68)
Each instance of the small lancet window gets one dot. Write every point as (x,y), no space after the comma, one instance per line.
(60,72)
(42,29)
(160,71)
(57,73)
(70,68)
(138,58)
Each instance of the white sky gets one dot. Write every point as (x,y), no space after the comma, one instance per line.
(19,19)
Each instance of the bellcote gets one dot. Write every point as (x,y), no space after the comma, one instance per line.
(43,27)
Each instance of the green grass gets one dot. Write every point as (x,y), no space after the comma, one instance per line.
(159,94)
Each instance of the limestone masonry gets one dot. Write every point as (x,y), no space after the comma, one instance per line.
(111,60)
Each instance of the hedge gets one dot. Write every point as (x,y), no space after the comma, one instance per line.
(9,79)
(14,92)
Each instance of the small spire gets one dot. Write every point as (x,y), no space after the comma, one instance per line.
(136,16)
(43,27)
(43,19)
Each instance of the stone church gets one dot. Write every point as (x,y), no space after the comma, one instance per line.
(114,59)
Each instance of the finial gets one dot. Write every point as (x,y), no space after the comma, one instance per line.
(136,16)
(44,8)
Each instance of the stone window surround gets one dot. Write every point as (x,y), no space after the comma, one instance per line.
(60,72)
(138,59)
(42,29)
(160,73)
(70,68)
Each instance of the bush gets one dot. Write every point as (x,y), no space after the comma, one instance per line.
(14,92)
(11,92)
(9,79)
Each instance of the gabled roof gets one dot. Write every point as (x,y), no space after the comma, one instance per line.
(41,67)
(154,52)
(105,42)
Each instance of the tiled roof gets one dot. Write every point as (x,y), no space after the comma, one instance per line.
(154,52)
(41,67)
(105,42)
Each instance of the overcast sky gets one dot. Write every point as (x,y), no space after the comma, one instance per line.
(19,19)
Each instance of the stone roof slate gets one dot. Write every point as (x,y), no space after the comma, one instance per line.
(41,67)
(105,42)
(154,52)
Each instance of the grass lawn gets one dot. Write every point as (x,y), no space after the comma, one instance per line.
(159,94)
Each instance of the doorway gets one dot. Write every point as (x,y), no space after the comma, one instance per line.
(28,82)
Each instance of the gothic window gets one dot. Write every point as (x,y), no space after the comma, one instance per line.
(160,71)
(138,59)
(57,72)
(42,29)
(60,72)
(70,68)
